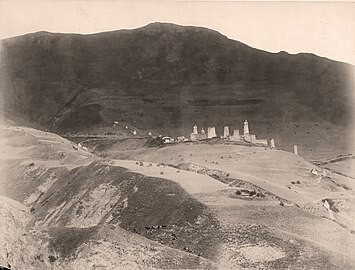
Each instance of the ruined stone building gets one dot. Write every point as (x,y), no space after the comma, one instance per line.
(246,127)
(246,136)
(194,130)
(203,134)
(226,132)
(211,132)
(235,136)
(195,136)
(180,139)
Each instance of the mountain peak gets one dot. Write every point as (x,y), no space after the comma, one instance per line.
(171,27)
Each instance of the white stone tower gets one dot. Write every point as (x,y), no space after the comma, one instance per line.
(246,128)
(272,143)
(211,132)
(195,131)
(295,149)
(226,132)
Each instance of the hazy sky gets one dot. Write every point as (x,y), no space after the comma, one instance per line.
(326,29)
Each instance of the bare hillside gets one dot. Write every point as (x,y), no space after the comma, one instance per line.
(201,212)
(165,78)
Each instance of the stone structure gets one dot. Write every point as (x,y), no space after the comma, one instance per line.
(252,138)
(246,128)
(235,136)
(211,132)
(226,132)
(180,139)
(194,136)
(295,149)
(236,133)
(168,139)
(261,142)
(247,136)
(203,136)
(194,130)
(272,143)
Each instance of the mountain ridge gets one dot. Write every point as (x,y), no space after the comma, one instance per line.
(167,24)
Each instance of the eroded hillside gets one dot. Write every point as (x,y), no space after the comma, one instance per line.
(79,211)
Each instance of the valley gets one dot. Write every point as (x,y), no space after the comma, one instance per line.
(88,182)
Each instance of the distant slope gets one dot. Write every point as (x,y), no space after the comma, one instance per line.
(166,78)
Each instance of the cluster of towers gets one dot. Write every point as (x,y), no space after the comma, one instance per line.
(195,136)
(236,136)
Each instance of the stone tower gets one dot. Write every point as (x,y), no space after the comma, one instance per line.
(194,130)
(226,132)
(246,128)
(295,149)
(272,143)
(211,132)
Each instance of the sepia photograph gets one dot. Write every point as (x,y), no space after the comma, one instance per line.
(177,135)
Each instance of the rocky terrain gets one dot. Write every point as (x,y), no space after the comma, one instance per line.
(78,211)
(78,221)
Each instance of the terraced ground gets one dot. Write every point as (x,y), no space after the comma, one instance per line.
(84,212)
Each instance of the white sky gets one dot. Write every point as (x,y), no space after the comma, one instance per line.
(326,29)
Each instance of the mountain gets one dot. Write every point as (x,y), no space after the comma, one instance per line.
(165,78)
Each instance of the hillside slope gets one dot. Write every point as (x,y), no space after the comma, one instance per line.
(81,213)
(165,78)
(87,212)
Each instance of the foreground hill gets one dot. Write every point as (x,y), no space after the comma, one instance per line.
(77,211)
(80,212)
(165,78)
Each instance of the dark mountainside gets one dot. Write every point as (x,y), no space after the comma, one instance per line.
(165,78)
